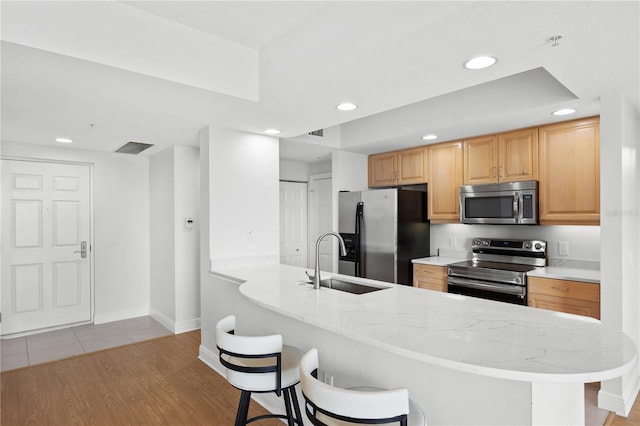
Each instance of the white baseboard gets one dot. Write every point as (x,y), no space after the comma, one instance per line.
(619,405)
(188,325)
(175,326)
(101,318)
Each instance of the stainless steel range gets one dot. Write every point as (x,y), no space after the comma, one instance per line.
(498,269)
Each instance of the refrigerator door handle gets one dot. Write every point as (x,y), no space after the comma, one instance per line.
(359,215)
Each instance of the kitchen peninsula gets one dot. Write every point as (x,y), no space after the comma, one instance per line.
(464,360)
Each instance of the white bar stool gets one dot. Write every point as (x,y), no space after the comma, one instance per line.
(329,405)
(259,364)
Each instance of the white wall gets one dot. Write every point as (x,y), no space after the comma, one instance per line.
(162,242)
(244,196)
(121,226)
(620,193)
(320,167)
(175,274)
(584,241)
(187,241)
(294,171)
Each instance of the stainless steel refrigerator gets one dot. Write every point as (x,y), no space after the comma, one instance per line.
(383,230)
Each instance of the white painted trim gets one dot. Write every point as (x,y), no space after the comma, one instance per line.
(163,319)
(45,160)
(120,315)
(619,405)
(188,325)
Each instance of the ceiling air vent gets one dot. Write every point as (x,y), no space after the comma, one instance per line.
(319,133)
(133,147)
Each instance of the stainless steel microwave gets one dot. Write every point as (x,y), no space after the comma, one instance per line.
(510,203)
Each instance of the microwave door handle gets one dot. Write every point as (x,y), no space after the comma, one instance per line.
(516,209)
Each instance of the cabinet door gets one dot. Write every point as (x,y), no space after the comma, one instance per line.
(445,178)
(570,173)
(412,166)
(518,155)
(481,160)
(572,297)
(430,277)
(383,169)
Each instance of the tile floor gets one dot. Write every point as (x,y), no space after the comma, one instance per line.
(50,346)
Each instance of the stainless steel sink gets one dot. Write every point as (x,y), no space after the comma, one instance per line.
(349,287)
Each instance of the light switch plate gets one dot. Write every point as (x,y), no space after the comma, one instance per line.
(563,248)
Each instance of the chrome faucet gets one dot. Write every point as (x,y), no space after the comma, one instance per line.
(316,277)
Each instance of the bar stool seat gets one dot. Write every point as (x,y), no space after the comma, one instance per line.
(329,405)
(259,364)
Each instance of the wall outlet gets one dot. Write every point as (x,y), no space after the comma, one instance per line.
(563,248)
(452,242)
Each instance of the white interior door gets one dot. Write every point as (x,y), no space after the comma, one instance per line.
(46,223)
(321,221)
(293,223)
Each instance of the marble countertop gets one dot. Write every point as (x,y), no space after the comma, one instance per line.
(463,333)
(566,273)
(437,260)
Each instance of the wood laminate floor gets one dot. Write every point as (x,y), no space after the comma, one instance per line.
(157,382)
(632,420)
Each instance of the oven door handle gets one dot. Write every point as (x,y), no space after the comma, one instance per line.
(517,290)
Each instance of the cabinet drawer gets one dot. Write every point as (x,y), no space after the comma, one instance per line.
(563,304)
(429,284)
(429,271)
(430,277)
(564,288)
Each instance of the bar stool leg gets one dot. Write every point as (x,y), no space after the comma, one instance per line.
(286,396)
(296,406)
(243,408)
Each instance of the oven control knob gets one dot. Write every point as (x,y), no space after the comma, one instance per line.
(538,246)
(527,245)
(476,242)
(485,242)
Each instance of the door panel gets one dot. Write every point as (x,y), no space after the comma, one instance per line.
(46,211)
(293,223)
(27,223)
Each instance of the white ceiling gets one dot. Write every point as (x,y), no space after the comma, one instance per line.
(158,71)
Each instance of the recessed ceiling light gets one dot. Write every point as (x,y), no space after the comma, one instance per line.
(63,140)
(272,131)
(429,137)
(564,111)
(480,62)
(346,106)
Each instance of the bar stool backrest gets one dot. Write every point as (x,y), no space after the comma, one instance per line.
(325,404)
(239,354)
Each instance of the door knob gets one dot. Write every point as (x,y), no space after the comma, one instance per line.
(83,250)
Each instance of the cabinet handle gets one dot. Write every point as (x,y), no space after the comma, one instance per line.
(500,172)
(493,172)
(564,289)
